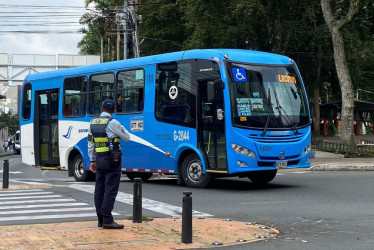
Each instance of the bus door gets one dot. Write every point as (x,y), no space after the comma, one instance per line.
(212,125)
(46,128)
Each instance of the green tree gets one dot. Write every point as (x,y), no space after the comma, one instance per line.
(101,25)
(163,27)
(11,121)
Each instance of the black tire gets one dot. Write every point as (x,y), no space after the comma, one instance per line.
(193,173)
(79,171)
(144,176)
(262,177)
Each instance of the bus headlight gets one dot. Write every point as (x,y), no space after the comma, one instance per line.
(307,149)
(243,151)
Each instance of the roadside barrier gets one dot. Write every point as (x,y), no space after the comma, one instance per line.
(6,174)
(137,201)
(187,217)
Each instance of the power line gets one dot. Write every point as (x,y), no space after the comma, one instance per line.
(40,6)
(41,32)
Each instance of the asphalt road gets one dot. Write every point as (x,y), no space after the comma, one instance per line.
(312,210)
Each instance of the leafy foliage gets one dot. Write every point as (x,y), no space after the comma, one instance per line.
(11,121)
(295,28)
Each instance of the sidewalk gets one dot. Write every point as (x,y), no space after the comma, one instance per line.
(333,162)
(158,233)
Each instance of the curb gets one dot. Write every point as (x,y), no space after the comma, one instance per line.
(342,167)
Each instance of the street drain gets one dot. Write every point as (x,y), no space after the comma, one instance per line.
(115,243)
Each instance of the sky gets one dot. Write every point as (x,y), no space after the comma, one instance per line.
(42,19)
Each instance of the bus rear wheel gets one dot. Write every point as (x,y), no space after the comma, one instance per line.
(79,171)
(262,177)
(193,172)
(144,176)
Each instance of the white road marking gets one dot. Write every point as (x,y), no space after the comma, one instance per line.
(20,191)
(149,204)
(35,201)
(50,210)
(30,197)
(19,194)
(44,205)
(51,216)
(12,172)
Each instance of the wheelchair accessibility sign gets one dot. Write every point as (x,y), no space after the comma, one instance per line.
(239,74)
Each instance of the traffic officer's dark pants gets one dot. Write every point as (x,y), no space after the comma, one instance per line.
(106,188)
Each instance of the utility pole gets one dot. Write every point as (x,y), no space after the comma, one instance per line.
(125,7)
(135,34)
(118,43)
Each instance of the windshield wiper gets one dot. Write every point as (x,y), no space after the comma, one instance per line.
(280,108)
(267,119)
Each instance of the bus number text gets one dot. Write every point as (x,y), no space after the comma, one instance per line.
(181,135)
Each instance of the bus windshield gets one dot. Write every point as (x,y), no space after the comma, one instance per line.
(267,96)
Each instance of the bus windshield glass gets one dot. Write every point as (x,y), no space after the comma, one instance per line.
(267,96)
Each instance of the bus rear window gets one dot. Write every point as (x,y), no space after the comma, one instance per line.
(26,102)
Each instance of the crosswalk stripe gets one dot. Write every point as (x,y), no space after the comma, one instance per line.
(35,201)
(51,210)
(50,216)
(20,194)
(44,205)
(30,197)
(149,204)
(20,191)
(41,205)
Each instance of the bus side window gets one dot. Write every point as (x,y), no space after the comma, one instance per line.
(101,86)
(176,94)
(75,92)
(130,84)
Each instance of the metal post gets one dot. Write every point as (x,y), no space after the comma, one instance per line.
(6,174)
(187,217)
(137,201)
(125,7)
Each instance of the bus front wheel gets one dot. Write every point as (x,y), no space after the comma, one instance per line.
(262,177)
(193,172)
(79,171)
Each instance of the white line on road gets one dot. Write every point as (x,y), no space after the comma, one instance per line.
(19,194)
(44,205)
(50,210)
(21,191)
(51,216)
(30,197)
(35,201)
(11,172)
(149,204)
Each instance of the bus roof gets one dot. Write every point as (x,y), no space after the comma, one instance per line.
(249,56)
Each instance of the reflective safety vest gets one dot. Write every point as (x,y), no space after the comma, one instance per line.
(98,136)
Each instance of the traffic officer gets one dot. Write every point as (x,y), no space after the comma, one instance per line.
(104,150)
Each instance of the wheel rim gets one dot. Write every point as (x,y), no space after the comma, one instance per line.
(195,171)
(79,168)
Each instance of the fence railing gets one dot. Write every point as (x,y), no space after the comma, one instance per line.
(363,149)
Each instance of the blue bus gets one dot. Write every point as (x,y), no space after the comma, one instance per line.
(196,114)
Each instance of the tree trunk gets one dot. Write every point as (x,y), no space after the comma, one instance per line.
(317,114)
(347,131)
(345,82)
